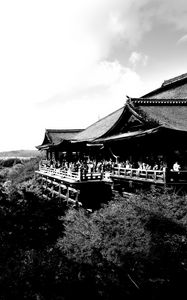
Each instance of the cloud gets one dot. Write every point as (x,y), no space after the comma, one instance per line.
(61,49)
(172,12)
(49,47)
(106,90)
(59,59)
(182,40)
(138,58)
(102,79)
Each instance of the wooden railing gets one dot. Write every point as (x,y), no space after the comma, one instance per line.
(81,175)
(87,176)
(53,187)
(145,175)
(158,176)
(60,173)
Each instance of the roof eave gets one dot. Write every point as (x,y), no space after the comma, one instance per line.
(130,135)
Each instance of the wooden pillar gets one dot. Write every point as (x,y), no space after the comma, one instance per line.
(52,189)
(67,195)
(51,155)
(55,155)
(77,197)
(59,191)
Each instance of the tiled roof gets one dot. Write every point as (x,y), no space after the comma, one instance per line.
(174,88)
(176,92)
(175,79)
(54,137)
(101,127)
(170,114)
(166,105)
(129,135)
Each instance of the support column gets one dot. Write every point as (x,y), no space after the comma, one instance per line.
(47,154)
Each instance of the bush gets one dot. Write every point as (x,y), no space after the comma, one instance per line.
(129,249)
(30,227)
(137,248)
(24,172)
(9,162)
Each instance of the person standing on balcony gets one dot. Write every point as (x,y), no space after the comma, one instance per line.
(176,167)
(155,167)
(128,165)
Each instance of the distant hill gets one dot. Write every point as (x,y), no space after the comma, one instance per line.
(20,153)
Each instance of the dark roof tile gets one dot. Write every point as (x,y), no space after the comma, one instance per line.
(174,79)
(57,136)
(171,114)
(174,88)
(101,127)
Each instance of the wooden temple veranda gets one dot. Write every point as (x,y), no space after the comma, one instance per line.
(134,146)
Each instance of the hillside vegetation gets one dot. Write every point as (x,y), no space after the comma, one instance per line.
(20,153)
(129,249)
(17,170)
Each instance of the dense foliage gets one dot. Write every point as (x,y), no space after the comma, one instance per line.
(20,153)
(136,247)
(29,226)
(129,249)
(16,170)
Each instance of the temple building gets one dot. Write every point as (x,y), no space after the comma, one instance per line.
(140,142)
(56,140)
(151,127)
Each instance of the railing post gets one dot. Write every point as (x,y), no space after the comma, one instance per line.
(52,189)
(77,197)
(59,191)
(67,195)
(165,175)
(80,173)
(154,176)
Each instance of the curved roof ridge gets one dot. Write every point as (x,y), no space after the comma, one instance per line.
(168,85)
(131,134)
(174,79)
(105,117)
(100,127)
(133,109)
(54,137)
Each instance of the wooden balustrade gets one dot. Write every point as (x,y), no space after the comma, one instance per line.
(60,173)
(81,175)
(157,176)
(144,175)
(52,188)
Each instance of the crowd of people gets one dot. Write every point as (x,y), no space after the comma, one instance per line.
(87,165)
(93,165)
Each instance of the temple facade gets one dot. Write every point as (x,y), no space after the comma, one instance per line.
(145,141)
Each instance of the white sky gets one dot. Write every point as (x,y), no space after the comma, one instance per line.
(64,64)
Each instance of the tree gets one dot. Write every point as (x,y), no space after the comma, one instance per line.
(136,247)
(129,249)
(30,226)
